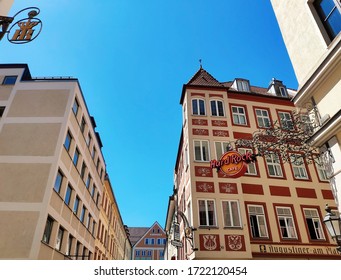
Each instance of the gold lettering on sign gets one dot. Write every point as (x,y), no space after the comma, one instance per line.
(25,32)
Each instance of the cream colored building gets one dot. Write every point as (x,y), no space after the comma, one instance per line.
(274,211)
(311,33)
(5,6)
(112,241)
(51,168)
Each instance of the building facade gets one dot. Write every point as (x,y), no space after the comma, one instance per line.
(311,33)
(273,211)
(51,168)
(5,6)
(112,242)
(148,243)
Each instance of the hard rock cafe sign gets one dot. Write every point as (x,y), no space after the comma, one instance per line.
(23,30)
(232,163)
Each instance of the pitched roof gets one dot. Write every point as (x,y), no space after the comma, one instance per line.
(136,233)
(203,78)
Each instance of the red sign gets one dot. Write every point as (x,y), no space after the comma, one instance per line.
(232,163)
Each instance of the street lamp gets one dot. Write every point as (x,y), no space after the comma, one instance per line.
(333,224)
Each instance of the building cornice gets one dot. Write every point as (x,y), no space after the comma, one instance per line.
(305,92)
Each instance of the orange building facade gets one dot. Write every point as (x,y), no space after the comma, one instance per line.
(274,211)
(148,243)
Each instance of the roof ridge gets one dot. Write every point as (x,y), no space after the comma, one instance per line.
(202,77)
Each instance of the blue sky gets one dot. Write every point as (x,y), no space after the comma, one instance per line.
(132,58)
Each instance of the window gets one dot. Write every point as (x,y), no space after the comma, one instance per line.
(314,224)
(83,124)
(283,92)
(217,108)
(59,238)
(198,107)
(285,120)
(201,150)
(263,119)
(221,148)
(68,195)
(88,139)
(286,223)
(298,167)
(75,157)
(67,142)
(243,85)
(207,213)
(149,241)
(329,13)
(58,182)
(2,110)
(88,221)
(78,246)
(93,152)
(69,245)
(238,115)
(83,170)
(274,165)
(9,80)
(75,107)
(75,205)
(231,213)
(257,221)
(48,230)
(93,191)
(321,171)
(82,214)
(251,166)
(88,180)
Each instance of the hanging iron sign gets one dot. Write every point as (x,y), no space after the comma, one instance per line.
(23,30)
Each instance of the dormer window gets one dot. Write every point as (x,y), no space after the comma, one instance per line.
(243,85)
(283,92)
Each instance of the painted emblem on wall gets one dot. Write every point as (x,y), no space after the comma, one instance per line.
(235,243)
(209,242)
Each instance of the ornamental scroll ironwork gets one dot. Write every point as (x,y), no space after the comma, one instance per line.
(288,137)
(24,30)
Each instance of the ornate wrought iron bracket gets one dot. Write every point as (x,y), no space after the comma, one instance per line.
(27,29)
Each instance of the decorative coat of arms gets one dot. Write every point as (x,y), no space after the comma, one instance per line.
(235,242)
(210,242)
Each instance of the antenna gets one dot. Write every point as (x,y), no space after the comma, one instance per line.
(200,60)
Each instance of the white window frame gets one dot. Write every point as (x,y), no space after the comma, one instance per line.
(313,215)
(204,155)
(243,85)
(251,166)
(238,118)
(214,105)
(259,215)
(321,171)
(207,203)
(196,105)
(283,92)
(273,163)
(286,222)
(299,171)
(221,148)
(231,213)
(263,121)
(285,119)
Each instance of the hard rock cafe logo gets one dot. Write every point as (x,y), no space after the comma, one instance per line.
(22,31)
(232,163)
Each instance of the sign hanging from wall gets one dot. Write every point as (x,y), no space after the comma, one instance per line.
(23,30)
(233,164)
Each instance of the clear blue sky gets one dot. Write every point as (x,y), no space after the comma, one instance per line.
(132,58)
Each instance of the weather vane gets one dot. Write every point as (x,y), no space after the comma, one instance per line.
(29,27)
